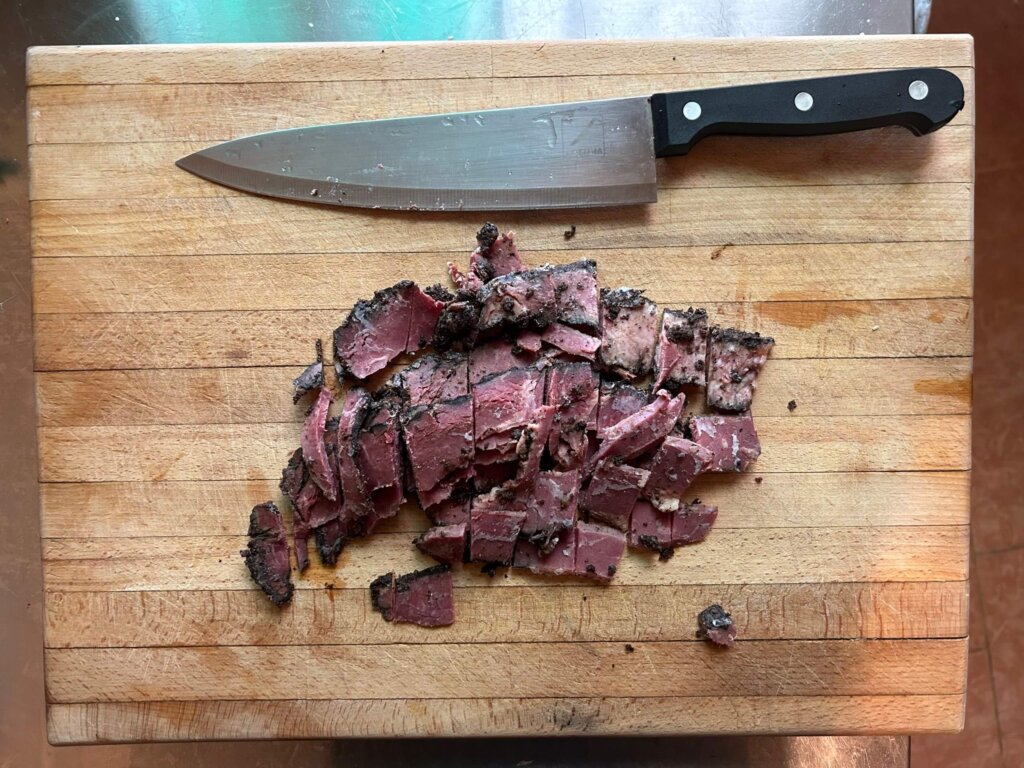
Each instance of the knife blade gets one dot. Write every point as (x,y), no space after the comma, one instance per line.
(576,155)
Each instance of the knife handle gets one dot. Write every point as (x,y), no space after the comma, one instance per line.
(922,100)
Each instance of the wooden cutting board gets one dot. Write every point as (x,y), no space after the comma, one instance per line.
(171,315)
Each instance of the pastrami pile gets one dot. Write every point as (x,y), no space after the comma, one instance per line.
(541,425)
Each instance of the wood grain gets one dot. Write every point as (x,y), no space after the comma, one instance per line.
(532,613)
(874,213)
(171,315)
(670,275)
(798,500)
(728,556)
(214,339)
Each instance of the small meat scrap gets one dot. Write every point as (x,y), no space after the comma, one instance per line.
(395,320)
(682,348)
(465,282)
(716,625)
(571,342)
(493,534)
(434,377)
(314,449)
(267,554)
(311,378)
(456,325)
(379,458)
(734,360)
(528,341)
(572,390)
(423,597)
(618,400)
(691,523)
(675,466)
(439,442)
(650,529)
(311,509)
(640,431)
(629,322)
(612,492)
(495,255)
(497,356)
(518,300)
(445,543)
(576,296)
(551,508)
(598,551)
(731,440)
(531,444)
(357,502)
(558,559)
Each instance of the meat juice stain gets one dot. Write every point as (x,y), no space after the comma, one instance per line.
(958,389)
(808,315)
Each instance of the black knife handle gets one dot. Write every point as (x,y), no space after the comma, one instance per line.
(808,107)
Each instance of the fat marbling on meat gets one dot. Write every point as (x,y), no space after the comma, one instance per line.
(266,556)
(674,467)
(731,440)
(434,377)
(493,534)
(572,390)
(735,358)
(629,324)
(551,508)
(439,442)
(640,431)
(612,492)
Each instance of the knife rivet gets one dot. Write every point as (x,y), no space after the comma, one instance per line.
(803,101)
(691,110)
(918,90)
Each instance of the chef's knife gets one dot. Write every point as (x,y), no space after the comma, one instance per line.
(576,155)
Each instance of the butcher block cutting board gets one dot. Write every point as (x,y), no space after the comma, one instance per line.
(171,315)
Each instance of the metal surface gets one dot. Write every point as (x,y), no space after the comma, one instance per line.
(85,22)
(581,154)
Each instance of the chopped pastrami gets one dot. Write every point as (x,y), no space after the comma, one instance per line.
(456,326)
(518,300)
(649,528)
(715,625)
(734,360)
(731,440)
(435,377)
(506,401)
(423,597)
(576,296)
(551,508)
(682,349)
(612,492)
(450,512)
(570,341)
(311,378)
(674,467)
(466,283)
(375,332)
(618,400)
(531,444)
(598,551)
(691,523)
(445,543)
(497,356)
(493,534)
(495,255)
(439,441)
(629,323)
(528,341)
(425,312)
(641,431)
(558,558)
(266,556)
(314,449)
(379,458)
(572,389)
(356,496)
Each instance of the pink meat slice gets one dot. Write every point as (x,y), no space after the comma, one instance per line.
(314,449)
(356,495)
(376,331)
(445,543)
(493,534)
(570,341)
(531,445)
(731,440)
(558,559)
(691,523)
(423,597)
(649,528)
(598,550)
(497,356)
(552,507)
(641,431)
(529,341)
(618,400)
(266,555)
(675,466)
(629,325)
(612,492)
(507,401)
(439,443)
(682,348)
(735,358)
(495,255)
(518,300)
(576,295)
(424,314)
(435,377)
(572,389)
(450,512)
